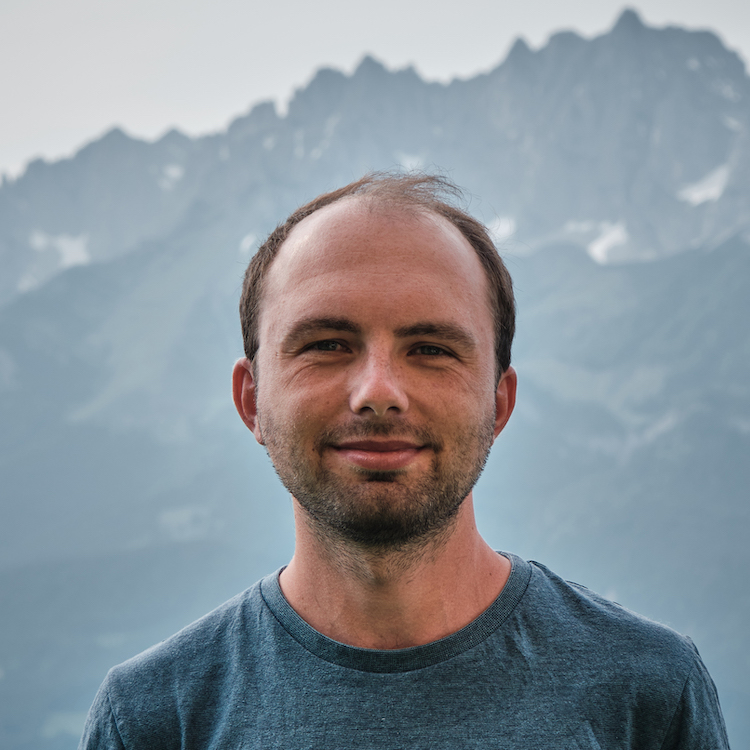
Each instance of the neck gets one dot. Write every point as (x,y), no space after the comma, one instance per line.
(394,599)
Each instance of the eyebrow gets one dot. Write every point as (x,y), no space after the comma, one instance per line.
(306,326)
(444,331)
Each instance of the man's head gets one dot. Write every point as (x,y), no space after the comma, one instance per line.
(407,192)
(372,370)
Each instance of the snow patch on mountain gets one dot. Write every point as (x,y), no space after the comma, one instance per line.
(54,253)
(710,188)
(610,237)
(727,90)
(247,243)
(73,250)
(502,229)
(732,123)
(171,174)
(409,162)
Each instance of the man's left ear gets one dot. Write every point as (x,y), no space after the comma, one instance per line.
(244,392)
(505,399)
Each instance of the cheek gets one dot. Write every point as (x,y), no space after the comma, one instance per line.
(456,398)
(296,414)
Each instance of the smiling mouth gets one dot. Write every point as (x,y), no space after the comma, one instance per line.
(379,455)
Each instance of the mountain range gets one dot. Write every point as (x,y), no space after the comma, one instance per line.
(614,173)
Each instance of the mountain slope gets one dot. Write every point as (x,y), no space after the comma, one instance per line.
(133,499)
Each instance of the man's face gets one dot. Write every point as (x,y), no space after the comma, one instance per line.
(375,391)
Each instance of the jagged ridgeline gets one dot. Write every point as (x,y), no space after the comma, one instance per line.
(615,174)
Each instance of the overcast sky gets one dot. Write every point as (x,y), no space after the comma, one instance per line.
(70,70)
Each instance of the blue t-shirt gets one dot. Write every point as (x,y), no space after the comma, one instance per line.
(548,665)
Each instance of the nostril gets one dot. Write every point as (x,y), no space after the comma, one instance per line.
(378,395)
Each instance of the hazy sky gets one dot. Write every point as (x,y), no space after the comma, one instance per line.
(71,70)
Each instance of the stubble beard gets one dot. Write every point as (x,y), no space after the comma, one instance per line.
(379,511)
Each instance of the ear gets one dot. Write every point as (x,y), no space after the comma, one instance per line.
(243,390)
(505,399)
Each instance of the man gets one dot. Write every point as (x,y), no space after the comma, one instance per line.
(377,324)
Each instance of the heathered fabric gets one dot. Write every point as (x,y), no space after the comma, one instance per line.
(548,665)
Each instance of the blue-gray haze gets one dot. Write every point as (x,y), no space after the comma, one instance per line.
(615,174)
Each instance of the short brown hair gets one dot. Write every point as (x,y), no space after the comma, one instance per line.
(425,192)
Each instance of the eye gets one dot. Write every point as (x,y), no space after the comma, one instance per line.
(430,350)
(328,345)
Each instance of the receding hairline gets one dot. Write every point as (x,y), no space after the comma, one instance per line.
(384,205)
(389,206)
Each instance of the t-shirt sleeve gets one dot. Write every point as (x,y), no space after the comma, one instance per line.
(697,723)
(100,731)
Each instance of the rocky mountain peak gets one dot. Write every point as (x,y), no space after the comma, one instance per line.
(581,133)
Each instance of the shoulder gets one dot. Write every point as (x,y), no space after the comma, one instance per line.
(621,668)
(212,638)
(585,619)
(599,642)
(570,630)
(148,697)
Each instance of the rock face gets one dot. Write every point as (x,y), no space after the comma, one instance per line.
(633,145)
(133,498)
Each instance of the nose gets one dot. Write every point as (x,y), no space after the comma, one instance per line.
(377,387)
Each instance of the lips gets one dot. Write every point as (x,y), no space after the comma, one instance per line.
(379,455)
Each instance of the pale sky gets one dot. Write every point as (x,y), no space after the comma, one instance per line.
(71,70)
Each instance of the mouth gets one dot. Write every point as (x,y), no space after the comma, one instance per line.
(379,455)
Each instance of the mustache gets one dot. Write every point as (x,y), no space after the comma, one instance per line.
(381,429)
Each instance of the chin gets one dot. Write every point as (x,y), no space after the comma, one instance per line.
(382,476)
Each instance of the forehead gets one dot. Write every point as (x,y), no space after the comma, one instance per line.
(380,258)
